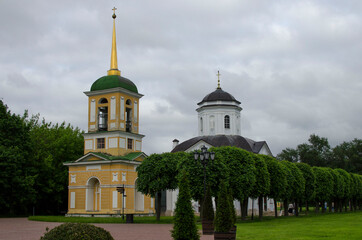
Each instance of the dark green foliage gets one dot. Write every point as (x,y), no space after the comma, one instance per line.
(53,144)
(223,220)
(346,179)
(184,227)
(17,169)
(277,173)
(216,171)
(241,168)
(324,184)
(31,157)
(77,231)
(310,181)
(347,156)
(158,173)
(296,182)
(232,208)
(207,210)
(262,183)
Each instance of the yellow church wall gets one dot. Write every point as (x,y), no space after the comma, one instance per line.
(105,177)
(115,151)
(117,119)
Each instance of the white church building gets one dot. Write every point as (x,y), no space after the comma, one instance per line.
(219,125)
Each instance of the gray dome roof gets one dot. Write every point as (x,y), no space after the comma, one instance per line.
(219,95)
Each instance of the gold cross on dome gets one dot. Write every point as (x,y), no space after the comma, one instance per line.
(114,10)
(218,79)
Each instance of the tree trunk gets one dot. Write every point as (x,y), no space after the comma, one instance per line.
(261,208)
(323,207)
(345,205)
(244,210)
(300,206)
(285,208)
(296,209)
(330,206)
(306,207)
(317,207)
(275,208)
(158,207)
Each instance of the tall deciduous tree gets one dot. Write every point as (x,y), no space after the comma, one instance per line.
(17,171)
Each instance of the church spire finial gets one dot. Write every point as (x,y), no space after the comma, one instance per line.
(114,66)
(218,79)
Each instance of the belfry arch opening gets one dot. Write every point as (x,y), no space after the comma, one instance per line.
(103,114)
(93,195)
(128,115)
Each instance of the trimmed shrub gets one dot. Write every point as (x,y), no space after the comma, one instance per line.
(207,211)
(77,231)
(223,220)
(184,227)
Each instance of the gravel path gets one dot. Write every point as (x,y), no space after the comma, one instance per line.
(23,229)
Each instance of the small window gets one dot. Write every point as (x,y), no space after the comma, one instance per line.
(100,143)
(227,121)
(129,102)
(201,125)
(130,143)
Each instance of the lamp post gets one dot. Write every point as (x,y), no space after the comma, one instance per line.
(121,190)
(204,157)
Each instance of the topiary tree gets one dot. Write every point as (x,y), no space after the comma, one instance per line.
(262,184)
(184,227)
(296,186)
(241,170)
(158,173)
(223,219)
(324,186)
(76,231)
(278,181)
(346,179)
(309,190)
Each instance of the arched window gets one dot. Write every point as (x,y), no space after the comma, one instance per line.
(227,121)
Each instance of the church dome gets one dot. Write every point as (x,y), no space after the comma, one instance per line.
(219,95)
(113,81)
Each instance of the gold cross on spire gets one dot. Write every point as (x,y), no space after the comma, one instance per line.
(218,79)
(114,12)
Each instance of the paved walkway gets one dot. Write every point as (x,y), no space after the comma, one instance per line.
(23,229)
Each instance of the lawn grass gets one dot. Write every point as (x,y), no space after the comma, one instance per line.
(312,226)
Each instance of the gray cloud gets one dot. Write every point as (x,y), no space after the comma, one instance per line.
(295,66)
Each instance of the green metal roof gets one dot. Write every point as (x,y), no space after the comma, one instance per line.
(130,156)
(113,81)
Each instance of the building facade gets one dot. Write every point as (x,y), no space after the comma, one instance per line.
(219,125)
(112,150)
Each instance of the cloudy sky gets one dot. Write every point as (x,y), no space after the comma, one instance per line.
(295,66)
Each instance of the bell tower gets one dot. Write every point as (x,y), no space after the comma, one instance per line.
(113,111)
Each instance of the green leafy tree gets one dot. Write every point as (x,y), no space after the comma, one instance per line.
(223,220)
(158,173)
(348,156)
(310,182)
(289,154)
(184,227)
(346,179)
(262,184)
(216,171)
(296,186)
(241,170)
(17,170)
(278,180)
(52,145)
(324,186)
(207,210)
